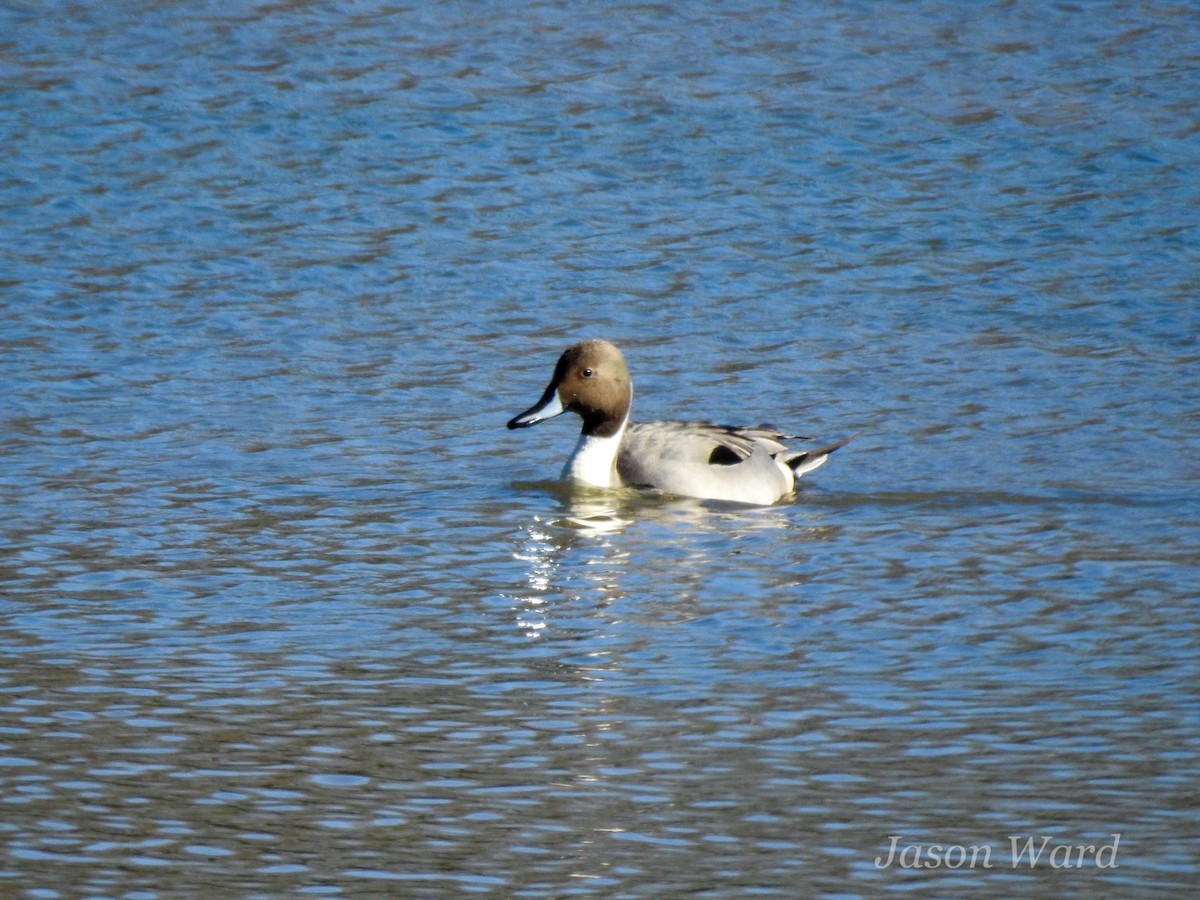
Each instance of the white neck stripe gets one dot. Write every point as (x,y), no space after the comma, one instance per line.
(594,460)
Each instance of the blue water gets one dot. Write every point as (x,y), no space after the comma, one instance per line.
(286,611)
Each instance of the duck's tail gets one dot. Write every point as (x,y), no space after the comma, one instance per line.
(800,463)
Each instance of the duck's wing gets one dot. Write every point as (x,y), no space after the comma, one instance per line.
(698,459)
(698,442)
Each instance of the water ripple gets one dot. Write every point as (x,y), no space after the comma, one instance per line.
(287,610)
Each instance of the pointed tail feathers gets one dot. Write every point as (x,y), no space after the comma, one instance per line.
(812,459)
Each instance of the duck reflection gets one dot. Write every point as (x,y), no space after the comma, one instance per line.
(598,546)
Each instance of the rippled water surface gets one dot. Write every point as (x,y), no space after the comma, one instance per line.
(286,611)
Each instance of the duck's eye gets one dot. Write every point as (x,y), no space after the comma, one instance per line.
(587,373)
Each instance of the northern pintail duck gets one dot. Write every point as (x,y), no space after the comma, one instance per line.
(691,459)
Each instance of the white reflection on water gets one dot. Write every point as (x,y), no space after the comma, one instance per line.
(593,515)
(538,553)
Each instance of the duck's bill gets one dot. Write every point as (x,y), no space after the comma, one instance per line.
(546,408)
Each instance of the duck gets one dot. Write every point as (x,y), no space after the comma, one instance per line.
(739,464)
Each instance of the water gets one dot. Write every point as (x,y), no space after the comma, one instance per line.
(287,612)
